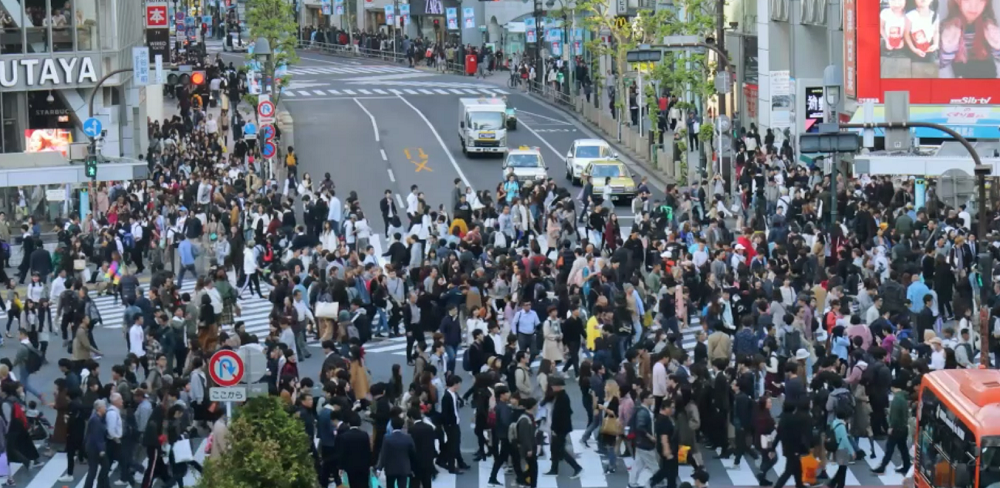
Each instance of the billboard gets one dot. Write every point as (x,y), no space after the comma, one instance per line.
(941,51)
(47,140)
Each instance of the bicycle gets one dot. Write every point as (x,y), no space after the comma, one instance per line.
(514,81)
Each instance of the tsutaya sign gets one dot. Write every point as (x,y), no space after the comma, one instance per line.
(28,73)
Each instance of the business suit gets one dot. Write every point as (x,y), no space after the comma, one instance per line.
(397,459)
(355,455)
(451,454)
(423,436)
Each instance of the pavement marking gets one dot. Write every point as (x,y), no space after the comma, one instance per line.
(384,157)
(558,154)
(392,177)
(319,92)
(327,99)
(372,117)
(305,93)
(288,93)
(395,91)
(438,90)
(458,169)
(334,92)
(365,92)
(411,92)
(457,92)
(399,201)
(474,92)
(380,92)
(426,92)
(543,117)
(349,92)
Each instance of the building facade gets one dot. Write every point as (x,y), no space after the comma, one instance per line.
(53,53)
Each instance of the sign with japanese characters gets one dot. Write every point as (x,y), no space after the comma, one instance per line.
(814,103)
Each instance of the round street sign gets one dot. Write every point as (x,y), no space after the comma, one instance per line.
(268,132)
(226,368)
(265,109)
(268,150)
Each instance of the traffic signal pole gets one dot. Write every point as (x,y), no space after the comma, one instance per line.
(93,140)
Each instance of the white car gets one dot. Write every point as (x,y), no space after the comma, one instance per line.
(582,153)
(526,164)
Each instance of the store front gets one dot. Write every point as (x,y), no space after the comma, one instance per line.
(430,22)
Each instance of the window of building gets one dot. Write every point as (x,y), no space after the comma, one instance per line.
(36,22)
(946,450)
(11,41)
(62,25)
(85,23)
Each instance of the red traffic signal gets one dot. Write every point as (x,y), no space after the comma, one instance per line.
(198,77)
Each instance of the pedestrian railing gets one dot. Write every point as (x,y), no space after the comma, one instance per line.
(352,51)
(552,94)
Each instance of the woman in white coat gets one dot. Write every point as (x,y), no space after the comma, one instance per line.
(250,270)
(552,349)
(328,238)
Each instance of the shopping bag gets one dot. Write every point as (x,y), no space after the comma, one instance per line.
(810,468)
(182,451)
(682,454)
(79,264)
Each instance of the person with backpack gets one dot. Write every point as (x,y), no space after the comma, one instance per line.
(523,439)
(561,426)
(27,361)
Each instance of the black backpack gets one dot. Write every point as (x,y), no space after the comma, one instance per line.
(34,360)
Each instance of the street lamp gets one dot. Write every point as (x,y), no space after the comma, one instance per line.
(833,80)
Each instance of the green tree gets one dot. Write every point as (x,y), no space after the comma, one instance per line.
(688,71)
(274,20)
(268,448)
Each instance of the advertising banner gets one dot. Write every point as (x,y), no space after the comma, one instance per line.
(47,140)
(338,7)
(326,8)
(451,14)
(781,99)
(469,18)
(390,17)
(404,14)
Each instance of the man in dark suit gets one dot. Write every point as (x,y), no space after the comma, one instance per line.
(452,455)
(398,455)
(423,436)
(562,425)
(355,454)
(389,211)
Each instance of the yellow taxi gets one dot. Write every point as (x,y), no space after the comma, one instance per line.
(623,186)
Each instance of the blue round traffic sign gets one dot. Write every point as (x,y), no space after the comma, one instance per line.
(249,129)
(92,127)
(268,150)
(268,132)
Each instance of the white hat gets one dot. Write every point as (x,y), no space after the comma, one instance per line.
(801,354)
(740,247)
(821,335)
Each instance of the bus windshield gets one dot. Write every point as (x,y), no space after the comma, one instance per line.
(989,463)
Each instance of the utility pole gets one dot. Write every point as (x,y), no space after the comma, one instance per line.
(539,34)
(720,41)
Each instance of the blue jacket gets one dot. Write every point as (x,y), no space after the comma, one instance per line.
(325,428)
(452,331)
(186,251)
(97,434)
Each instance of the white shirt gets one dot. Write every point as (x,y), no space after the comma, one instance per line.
(137,232)
(136,339)
(937,360)
(411,203)
(659,379)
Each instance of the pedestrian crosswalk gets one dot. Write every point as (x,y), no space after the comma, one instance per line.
(391,92)
(354,69)
(254,311)
(47,472)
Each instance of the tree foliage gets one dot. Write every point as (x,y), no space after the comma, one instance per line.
(268,448)
(274,20)
(679,72)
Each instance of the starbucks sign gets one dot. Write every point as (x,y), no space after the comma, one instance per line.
(52,72)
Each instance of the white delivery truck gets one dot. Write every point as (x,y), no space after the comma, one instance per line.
(482,125)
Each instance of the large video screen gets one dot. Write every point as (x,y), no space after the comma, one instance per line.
(922,39)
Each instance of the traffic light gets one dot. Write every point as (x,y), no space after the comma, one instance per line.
(184,78)
(198,77)
(91,167)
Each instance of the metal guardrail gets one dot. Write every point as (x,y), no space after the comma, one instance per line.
(351,51)
(551,94)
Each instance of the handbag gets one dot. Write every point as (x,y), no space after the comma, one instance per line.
(610,426)
(810,468)
(79,264)
(327,310)
(182,451)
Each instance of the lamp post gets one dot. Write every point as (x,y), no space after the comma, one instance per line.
(832,82)
(262,54)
